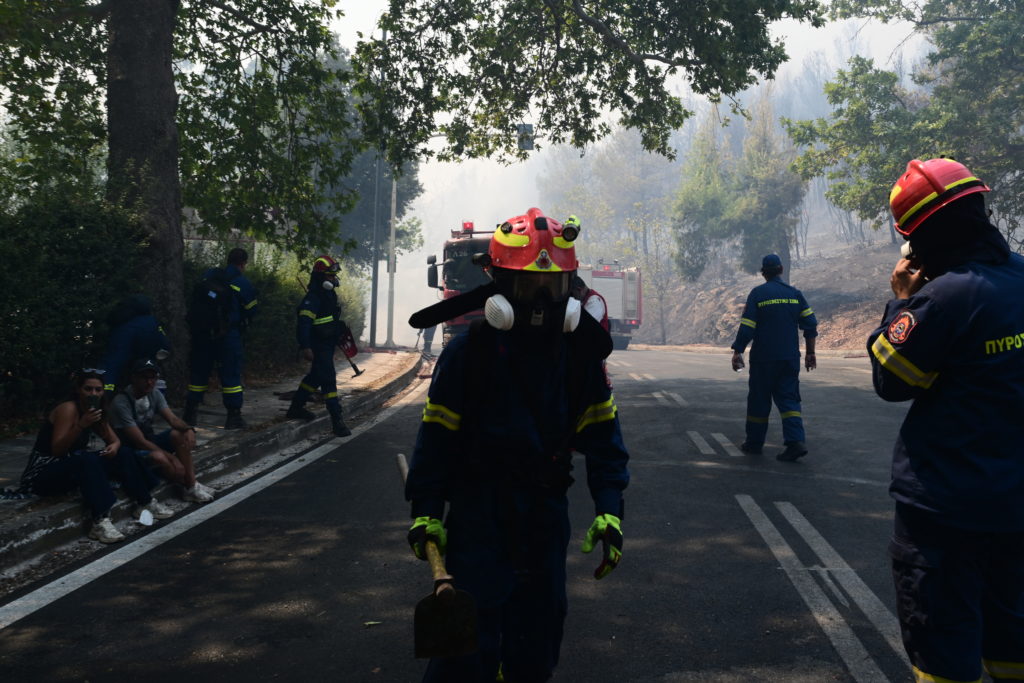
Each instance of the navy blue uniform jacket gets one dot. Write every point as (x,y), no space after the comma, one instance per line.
(770,319)
(524,415)
(957,348)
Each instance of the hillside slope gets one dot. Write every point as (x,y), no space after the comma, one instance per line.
(847,289)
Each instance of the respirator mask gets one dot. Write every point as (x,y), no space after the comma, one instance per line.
(533,301)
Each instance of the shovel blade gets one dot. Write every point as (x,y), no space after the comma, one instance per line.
(445,625)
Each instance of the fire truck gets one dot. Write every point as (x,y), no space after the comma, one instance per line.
(620,286)
(458,272)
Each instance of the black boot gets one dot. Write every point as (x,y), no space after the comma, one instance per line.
(794,450)
(191,414)
(234,420)
(298,411)
(339,427)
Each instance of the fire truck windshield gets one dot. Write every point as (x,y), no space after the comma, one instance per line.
(460,273)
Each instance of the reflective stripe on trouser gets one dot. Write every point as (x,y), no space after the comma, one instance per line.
(226,354)
(777,380)
(322,375)
(959,597)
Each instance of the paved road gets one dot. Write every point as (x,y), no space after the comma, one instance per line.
(736,568)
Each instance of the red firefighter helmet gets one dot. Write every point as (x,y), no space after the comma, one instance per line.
(325,264)
(532,242)
(927,186)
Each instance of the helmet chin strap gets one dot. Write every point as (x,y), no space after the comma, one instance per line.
(500,314)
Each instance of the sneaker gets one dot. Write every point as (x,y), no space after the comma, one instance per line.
(196,494)
(156,508)
(794,450)
(104,531)
(750,449)
(208,489)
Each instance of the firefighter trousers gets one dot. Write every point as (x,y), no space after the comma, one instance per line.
(778,381)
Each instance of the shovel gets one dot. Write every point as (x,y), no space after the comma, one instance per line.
(444,623)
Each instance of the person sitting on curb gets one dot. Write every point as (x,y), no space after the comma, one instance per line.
(170,451)
(76,448)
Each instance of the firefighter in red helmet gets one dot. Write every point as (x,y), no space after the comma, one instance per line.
(951,341)
(510,401)
(318,330)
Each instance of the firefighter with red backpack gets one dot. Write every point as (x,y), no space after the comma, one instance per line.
(950,341)
(319,331)
(509,402)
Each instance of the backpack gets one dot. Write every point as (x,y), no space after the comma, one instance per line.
(209,313)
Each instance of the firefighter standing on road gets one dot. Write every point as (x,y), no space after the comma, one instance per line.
(508,403)
(771,317)
(951,340)
(318,330)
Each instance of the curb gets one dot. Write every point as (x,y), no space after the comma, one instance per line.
(41,525)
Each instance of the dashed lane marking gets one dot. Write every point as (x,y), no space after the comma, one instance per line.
(678,399)
(637,377)
(661,398)
(702,445)
(727,445)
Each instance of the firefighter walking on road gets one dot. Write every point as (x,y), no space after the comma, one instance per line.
(773,313)
(509,402)
(951,341)
(319,330)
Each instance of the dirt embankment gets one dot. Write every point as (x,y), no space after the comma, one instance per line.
(847,290)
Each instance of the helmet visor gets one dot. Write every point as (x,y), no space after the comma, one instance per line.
(527,286)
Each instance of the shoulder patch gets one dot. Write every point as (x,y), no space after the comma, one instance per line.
(899,329)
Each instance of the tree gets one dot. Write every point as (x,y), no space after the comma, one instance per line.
(473,69)
(966,100)
(238,91)
(649,245)
(702,200)
(754,200)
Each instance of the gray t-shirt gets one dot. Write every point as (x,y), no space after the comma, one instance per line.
(126,410)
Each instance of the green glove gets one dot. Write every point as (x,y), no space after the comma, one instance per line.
(608,529)
(427,529)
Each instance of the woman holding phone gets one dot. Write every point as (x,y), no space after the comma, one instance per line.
(77,449)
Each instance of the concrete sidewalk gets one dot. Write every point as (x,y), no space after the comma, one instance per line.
(31,527)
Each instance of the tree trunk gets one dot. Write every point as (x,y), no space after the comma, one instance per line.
(142,106)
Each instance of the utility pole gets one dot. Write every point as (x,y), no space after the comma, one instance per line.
(373,256)
(390,343)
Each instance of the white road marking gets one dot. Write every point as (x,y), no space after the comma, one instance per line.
(705,449)
(866,600)
(727,445)
(858,662)
(678,399)
(41,597)
(637,377)
(647,376)
(662,399)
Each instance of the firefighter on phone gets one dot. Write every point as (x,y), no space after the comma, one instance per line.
(950,340)
(319,330)
(509,402)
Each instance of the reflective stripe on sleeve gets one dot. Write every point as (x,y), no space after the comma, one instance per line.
(806,312)
(748,322)
(1004,671)
(598,412)
(324,320)
(309,314)
(447,418)
(897,364)
(251,304)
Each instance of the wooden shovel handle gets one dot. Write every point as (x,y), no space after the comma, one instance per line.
(442,579)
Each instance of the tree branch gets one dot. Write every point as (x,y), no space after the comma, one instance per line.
(640,58)
(228,9)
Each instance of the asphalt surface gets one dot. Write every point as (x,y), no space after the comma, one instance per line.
(735,567)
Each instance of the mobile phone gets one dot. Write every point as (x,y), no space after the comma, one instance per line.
(93,400)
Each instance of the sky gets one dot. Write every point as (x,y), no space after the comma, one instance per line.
(487,193)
